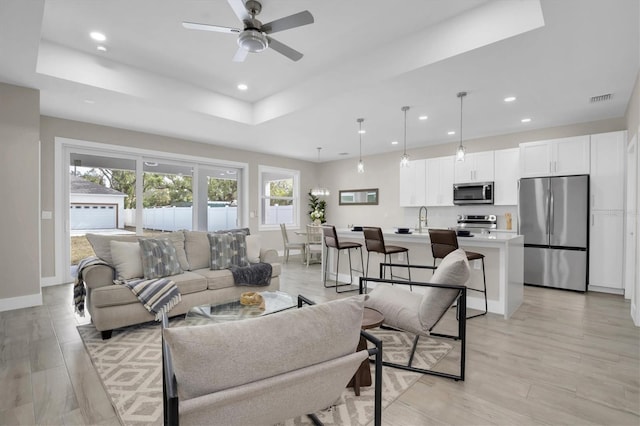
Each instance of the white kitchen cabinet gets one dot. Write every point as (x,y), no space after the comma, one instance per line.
(507,173)
(440,173)
(476,167)
(413,184)
(606,249)
(557,157)
(607,171)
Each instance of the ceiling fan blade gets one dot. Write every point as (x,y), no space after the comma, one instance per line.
(206,27)
(240,10)
(285,50)
(291,21)
(241,55)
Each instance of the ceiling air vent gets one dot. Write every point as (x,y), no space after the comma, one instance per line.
(601,98)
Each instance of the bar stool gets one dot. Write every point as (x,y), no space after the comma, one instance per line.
(443,242)
(331,241)
(375,243)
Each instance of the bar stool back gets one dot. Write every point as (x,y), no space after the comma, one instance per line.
(443,242)
(374,240)
(331,241)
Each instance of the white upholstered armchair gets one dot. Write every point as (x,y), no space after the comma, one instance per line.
(419,312)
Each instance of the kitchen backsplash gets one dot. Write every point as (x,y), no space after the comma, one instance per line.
(446,217)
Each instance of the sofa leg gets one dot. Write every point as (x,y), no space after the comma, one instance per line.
(106,334)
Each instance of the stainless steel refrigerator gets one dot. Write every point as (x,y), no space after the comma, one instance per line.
(553,216)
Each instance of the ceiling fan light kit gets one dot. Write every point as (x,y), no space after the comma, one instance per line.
(254,35)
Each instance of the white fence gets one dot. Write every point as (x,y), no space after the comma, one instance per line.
(176,218)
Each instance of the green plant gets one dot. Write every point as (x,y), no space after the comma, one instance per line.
(317,208)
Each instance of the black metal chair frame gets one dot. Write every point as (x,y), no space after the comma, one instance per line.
(170,399)
(460,317)
(351,269)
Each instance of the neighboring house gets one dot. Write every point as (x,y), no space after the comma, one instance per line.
(93,206)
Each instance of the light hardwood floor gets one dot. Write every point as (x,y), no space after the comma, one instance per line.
(563,358)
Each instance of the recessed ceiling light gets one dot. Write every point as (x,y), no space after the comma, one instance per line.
(97,36)
(510,99)
(451,133)
(89,101)
(394,143)
(151,163)
(422,117)
(242,86)
(343,153)
(101,48)
(526,120)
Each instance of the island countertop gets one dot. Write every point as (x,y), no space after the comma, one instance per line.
(504,258)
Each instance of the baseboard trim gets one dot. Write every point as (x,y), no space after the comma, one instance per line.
(20,302)
(618,291)
(50,281)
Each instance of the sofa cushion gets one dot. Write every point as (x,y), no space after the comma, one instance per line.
(228,249)
(398,305)
(101,244)
(114,295)
(216,278)
(159,258)
(126,259)
(213,357)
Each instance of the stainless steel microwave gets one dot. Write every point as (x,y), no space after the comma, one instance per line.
(473,193)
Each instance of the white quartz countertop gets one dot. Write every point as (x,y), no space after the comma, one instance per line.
(391,234)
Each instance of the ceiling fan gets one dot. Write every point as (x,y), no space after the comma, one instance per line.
(254,37)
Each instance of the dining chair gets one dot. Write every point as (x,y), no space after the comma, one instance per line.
(289,245)
(314,243)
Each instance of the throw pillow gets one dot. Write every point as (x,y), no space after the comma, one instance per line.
(159,258)
(253,248)
(455,270)
(100,244)
(126,260)
(228,250)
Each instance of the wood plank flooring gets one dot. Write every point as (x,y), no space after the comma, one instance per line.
(563,358)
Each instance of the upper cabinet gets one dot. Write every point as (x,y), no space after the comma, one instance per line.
(412,184)
(607,171)
(507,173)
(557,157)
(476,167)
(440,181)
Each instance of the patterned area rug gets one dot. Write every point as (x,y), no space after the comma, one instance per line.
(130,367)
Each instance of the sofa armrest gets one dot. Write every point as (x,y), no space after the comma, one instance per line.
(269,255)
(97,276)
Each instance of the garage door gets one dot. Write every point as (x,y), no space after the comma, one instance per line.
(93,216)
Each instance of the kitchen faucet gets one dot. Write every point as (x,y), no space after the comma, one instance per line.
(421,218)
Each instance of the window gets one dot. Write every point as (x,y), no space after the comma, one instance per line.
(279,197)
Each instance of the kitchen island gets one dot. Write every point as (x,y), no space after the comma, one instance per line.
(504,257)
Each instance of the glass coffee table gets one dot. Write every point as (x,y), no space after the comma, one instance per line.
(275,301)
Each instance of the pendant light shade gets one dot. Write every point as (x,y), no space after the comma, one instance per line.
(461,150)
(319,190)
(404,160)
(360,132)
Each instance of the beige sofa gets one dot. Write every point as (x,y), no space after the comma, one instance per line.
(113,306)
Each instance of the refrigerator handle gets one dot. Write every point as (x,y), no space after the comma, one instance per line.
(551,212)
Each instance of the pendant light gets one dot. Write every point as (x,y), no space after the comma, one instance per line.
(320,191)
(461,150)
(360,132)
(404,160)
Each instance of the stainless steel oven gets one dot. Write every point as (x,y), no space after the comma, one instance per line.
(473,193)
